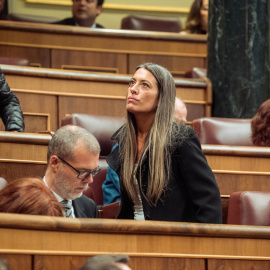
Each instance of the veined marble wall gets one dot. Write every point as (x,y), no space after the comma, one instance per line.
(238,56)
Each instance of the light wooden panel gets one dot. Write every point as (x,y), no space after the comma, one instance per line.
(39,57)
(155,243)
(231,181)
(177,65)
(93,61)
(46,105)
(101,48)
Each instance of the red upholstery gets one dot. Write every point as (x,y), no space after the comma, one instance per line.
(151,23)
(225,131)
(95,189)
(102,127)
(14,61)
(110,210)
(249,208)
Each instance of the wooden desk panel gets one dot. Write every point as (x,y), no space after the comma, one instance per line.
(107,106)
(155,243)
(238,264)
(38,57)
(177,64)
(118,49)
(90,61)
(136,262)
(34,103)
(18,261)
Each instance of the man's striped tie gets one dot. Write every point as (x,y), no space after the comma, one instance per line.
(67,207)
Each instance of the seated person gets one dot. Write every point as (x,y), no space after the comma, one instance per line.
(3,10)
(72,158)
(106,262)
(260,125)
(84,13)
(111,186)
(197,21)
(29,196)
(10,110)
(162,170)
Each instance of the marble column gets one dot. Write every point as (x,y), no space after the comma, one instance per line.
(238,56)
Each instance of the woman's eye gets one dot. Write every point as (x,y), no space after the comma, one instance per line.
(131,83)
(145,85)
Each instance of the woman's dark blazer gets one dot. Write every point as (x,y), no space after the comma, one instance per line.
(191,195)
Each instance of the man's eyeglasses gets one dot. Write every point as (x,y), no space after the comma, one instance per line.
(83,174)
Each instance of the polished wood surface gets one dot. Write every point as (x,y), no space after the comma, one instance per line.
(105,50)
(61,243)
(23,154)
(50,94)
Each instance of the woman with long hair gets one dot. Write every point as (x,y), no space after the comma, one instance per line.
(197,20)
(162,170)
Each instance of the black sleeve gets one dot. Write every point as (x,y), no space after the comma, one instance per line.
(199,180)
(10,110)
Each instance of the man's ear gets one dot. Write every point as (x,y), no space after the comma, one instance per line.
(99,9)
(54,161)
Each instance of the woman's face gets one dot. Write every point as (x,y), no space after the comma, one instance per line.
(142,93)
(204,14)
(2,3)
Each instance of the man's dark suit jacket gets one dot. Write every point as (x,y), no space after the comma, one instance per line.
(84,207)
(70,21)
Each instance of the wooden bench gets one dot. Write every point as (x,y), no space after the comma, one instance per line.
(101,50)
(41,242)
(47,95)
(235,168)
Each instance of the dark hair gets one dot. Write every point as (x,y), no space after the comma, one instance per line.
(105,262)
(193,23)
(99,3)
(260,125)
(29,196)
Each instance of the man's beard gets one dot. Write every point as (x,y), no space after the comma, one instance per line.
(66,191)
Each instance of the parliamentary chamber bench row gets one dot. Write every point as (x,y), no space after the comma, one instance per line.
(47,95)
(41,242)
(101,50)
(236,168)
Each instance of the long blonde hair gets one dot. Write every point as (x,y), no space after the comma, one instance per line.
(157,142)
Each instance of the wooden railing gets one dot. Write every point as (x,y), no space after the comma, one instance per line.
(40,242)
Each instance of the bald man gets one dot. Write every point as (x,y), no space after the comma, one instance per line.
(180,111)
